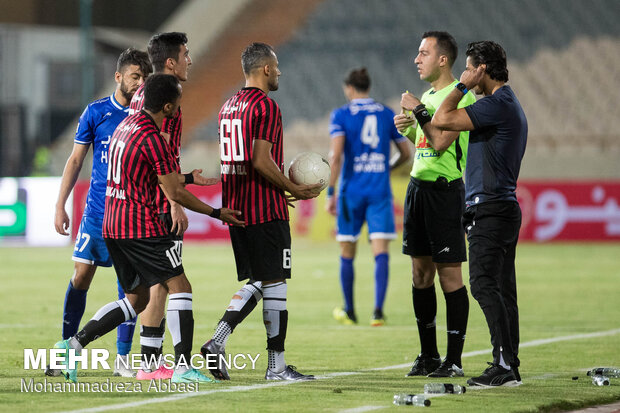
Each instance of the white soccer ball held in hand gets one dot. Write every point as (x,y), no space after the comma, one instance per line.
(309,168)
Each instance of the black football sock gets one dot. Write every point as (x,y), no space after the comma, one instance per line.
(105,320)
(457,313)
(241,305)
(425,309)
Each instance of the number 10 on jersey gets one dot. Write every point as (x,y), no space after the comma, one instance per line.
(231,140)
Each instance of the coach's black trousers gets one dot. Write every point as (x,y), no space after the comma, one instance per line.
(492,231)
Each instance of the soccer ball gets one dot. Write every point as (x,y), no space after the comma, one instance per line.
(310,168)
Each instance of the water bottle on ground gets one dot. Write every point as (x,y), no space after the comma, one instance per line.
(605,371)
(599,380)
(440,388)
(411,400)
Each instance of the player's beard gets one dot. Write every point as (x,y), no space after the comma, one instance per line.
(127,94)
(273,85)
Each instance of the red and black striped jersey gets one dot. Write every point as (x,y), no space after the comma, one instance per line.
(250,114)
(137,154)
(174,128)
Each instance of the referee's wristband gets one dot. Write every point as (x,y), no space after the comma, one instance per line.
(461,86)
(330,191)
(189,178)
(422,115)
(216,213)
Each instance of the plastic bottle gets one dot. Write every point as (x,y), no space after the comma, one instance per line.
(605,371)
(600,380)
(440,388)
(411,400)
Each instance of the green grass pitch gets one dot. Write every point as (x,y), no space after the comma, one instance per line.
(565,290)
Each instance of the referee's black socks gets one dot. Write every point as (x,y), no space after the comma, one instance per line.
(425,309)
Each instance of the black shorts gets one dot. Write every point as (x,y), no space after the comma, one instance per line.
(145,261)
(432,220)
(262,251)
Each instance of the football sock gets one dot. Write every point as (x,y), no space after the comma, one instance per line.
(457,312)
(105,320)
(161,333)
(241,304)
(275,317)
(425,309)
(502,362)
(276,361)
(181,326)
(124,332)
(222,332)
(381,279)
(150,344)
(347,275)
(75,303)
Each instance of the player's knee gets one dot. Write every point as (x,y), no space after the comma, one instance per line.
(82,278)
(423,278)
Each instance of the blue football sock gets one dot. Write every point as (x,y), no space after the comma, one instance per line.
(124,332)
(381,279)
(346,280)
(75,303)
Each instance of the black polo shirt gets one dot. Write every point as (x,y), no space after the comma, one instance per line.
(496,147)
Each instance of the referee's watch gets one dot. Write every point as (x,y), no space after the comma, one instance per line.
(461,86)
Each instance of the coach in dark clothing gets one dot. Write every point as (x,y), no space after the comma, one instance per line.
(493,218)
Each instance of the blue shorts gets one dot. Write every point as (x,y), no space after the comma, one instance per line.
(90,247)
(377,211)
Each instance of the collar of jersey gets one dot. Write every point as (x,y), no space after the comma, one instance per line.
(362,100)
(118,105)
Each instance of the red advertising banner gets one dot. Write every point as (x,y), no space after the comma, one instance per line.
(552,211)
(570,211)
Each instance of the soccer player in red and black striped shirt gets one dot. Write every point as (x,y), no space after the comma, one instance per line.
(252,165)
(142,249)
(169,55)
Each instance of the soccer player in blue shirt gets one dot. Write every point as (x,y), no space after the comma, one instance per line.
(361,132)
(96,126)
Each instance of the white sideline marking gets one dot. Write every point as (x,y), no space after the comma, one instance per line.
(231,389)
(362,409)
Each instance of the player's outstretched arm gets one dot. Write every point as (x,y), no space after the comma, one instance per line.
(264,164)
(172,184)
(69,177)
(198,179)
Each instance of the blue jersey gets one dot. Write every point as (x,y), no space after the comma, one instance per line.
(96,126)
(368,128)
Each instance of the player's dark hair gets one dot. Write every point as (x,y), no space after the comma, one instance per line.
(160,89)
(359,79)
(136,57)
(164,46)
(255,56)
(492,55)
(445,43)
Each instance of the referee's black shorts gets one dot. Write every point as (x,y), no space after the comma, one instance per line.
(432,220)
(145,261)
(262,251)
